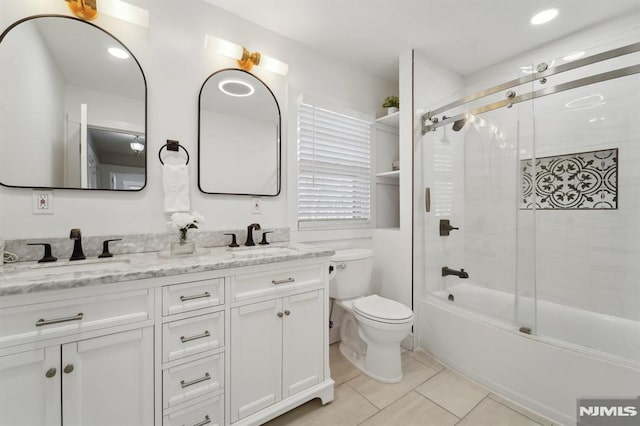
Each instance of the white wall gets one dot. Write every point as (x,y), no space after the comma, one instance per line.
(176,63)
(31,117)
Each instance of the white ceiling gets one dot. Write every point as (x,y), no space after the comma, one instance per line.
(462,35)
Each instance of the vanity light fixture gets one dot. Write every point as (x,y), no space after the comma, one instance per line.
(236,88)
(126,12)
(136,146)
(83,9)
(118,53)
(544,16)
(246,59)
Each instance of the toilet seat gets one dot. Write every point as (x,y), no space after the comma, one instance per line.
(379,309)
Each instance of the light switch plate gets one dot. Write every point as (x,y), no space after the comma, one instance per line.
(42,202)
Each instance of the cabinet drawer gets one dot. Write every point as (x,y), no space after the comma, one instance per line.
(192,335)
(191,296)
(187,381)
(247,286)
(52,319)
(209,412)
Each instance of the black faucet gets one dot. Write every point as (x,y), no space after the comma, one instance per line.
(76,235)
(448,271)
(250,229)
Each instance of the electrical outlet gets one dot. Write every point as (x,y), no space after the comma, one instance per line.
(42,202)
(255,206)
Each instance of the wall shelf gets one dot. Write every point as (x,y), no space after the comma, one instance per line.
(391,120)
(395,174)
(387,182)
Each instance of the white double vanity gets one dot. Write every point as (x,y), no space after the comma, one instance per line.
(230,337)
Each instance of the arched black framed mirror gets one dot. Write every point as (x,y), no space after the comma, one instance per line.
(239,148)
(73,109)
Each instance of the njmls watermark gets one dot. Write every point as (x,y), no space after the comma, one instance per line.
(609,412)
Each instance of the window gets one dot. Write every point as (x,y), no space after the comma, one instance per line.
(334,170)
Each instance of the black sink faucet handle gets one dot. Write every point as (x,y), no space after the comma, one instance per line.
(105,248)
(47,252)
(234,243)
(264,241)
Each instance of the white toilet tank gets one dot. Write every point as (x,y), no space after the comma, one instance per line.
(351,275)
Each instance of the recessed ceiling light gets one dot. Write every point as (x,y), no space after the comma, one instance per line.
(118,53)
(544,16)
(236,88)
(574,55)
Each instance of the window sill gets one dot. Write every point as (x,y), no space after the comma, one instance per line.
(311,235)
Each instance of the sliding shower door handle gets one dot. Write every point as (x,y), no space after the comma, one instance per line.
(427,199)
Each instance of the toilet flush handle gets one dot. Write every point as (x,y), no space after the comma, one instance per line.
(334,267)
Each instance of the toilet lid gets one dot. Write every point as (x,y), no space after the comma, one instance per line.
(376,307)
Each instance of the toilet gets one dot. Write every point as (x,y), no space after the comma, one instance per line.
(372,326)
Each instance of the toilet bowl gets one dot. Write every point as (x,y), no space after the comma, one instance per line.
(372,327)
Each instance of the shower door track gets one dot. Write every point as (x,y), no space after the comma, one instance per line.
(430,122)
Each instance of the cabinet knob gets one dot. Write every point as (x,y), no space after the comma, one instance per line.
(287,313)
(51,373)
(68,368)
(280,315)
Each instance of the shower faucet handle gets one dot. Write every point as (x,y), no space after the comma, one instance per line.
(446,228)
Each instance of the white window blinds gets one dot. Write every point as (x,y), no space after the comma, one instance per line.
(334,171)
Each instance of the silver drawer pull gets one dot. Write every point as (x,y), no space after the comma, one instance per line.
(206,421)
(196,381)
(199,336)
(197,296)
(288,280)
(43,321)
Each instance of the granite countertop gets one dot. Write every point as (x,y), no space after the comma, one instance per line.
(30,277)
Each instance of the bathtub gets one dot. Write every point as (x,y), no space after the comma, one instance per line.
(601,333)
(589,355)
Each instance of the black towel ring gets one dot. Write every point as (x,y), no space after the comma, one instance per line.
(172,146)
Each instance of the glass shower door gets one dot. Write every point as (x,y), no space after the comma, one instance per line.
(468,171)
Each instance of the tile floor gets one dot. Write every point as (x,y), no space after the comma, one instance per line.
(429,394)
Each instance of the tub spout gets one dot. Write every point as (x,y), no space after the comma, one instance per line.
(448,271)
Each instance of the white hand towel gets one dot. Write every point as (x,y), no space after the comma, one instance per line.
(175,183)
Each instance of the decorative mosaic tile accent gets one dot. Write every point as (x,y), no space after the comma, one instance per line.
(584,180)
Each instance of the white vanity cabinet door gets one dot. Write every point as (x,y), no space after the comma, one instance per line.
(27,395)
(256,357)
(302,342)
(108,380)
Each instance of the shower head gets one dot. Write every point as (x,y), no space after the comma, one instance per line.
(459,124)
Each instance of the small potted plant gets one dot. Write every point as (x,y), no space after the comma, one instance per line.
(391,103)
(182,222)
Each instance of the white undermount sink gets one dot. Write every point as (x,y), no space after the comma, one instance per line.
(261,251)
(44,269)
